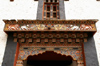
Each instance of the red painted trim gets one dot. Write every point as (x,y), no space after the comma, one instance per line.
(83,55)
(16,55)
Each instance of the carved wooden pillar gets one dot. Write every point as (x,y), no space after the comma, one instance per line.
(51,11)
(16,55)
(83,55)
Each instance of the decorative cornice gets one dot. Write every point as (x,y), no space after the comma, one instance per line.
(85,26)
(88,21)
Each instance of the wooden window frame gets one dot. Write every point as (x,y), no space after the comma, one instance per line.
(51,11)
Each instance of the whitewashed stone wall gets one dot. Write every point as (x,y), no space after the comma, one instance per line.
(27,9)
(19,9)
(85,9)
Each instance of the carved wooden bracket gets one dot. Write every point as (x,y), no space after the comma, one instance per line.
(50,37)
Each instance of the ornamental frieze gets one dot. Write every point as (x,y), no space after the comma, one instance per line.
(76,53)
(50,25)
(55,27)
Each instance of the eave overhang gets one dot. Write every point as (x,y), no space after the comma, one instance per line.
(87,26)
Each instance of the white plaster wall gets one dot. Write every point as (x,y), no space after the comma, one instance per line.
(85,9)
(19,9)
(27,9)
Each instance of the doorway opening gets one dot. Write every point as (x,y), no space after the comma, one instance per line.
(49,58)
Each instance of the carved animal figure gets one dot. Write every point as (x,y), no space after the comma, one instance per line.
(75,28)
(85,27)
(24,27)
(13,27)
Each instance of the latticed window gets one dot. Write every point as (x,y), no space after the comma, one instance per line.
(51,9)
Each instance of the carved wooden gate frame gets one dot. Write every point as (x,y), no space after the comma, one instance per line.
(76,54)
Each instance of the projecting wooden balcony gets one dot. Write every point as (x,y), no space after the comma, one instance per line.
(50,25)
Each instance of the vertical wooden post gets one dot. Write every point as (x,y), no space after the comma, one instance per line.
(51,11)
(16,55)
(83,55)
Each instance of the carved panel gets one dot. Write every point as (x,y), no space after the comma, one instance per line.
(44,27)
(75,53)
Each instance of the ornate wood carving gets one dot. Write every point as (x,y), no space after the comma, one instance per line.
(61,36)
(51,37)
(54,25)
(50,21)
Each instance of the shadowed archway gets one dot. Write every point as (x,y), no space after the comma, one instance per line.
(49,58)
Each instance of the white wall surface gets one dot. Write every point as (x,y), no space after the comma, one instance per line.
(19,9)
(85,9)
(27,9)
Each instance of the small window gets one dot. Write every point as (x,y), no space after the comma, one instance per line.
(51,0)
(54,8)
(46,0)
(55,0)
(54,15)
(51,9)
(48,15)
(48,8)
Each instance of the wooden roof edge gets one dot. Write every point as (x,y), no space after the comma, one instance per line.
(95,20)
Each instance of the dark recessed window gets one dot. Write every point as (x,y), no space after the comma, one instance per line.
(55,0)
(48,15)
(48,8)
(54,15)
(54,8)
(51,0)
(51,9)
(46,0)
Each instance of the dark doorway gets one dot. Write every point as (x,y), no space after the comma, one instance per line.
(49,58)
